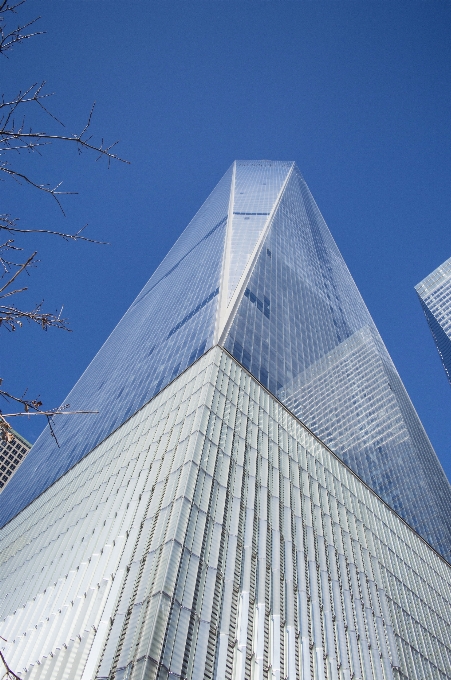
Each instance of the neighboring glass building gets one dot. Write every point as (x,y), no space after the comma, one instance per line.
(435,297)
(12,453)
(236,509)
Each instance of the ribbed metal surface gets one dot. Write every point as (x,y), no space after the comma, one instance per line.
(212,536)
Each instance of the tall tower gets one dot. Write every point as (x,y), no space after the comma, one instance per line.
(12,453)
(258,272)
(256,497)
(435,297)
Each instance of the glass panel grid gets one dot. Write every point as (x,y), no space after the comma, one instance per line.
(170,324)
(257,185)
(303,330)
(435,298)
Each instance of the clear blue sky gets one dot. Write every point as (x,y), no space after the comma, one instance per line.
(357,93)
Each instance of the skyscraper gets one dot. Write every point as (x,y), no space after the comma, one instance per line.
(435,297)
(258,272)
(12,453)
(237,507)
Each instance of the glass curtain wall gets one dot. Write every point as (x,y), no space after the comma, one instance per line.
(434,293)
(303,330)
(169,325)
(258,268)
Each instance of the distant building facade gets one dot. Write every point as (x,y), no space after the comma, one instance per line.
(435,297)
(12,453)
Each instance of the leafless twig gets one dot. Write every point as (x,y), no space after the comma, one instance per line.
(8,223)
(8,672)
(16,35)
(19,136)
(32,407)
(15,136)
(11,316)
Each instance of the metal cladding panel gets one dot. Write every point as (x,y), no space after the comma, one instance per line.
(303,330)
(169,325)
(212,535)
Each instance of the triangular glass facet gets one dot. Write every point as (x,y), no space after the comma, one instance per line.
(257,185)
(302,329)
(169,326)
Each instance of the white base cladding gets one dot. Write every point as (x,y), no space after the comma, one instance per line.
(213,536)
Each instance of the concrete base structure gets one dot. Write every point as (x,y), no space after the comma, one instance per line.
(213,536)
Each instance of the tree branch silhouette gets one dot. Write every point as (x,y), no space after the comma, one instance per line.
(24,130)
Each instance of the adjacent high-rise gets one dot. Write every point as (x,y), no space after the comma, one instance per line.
(253,497)
(435,297)
(12,452)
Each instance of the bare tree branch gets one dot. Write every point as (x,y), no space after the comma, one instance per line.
(9,673)
(42,187)
(8,223)
(10,130)
(17,273)
(13,318)
(17,136)
(22,98)
(32,407)
(16,35)
(10,315)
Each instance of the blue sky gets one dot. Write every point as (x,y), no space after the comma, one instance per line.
(357,93)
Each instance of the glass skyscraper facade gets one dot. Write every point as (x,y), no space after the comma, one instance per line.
(435,298)
(258,272)
(12,453)
(256,498)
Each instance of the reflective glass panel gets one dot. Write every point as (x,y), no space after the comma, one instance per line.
(256,187)
(169,325)
(435,298)
(303,330)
